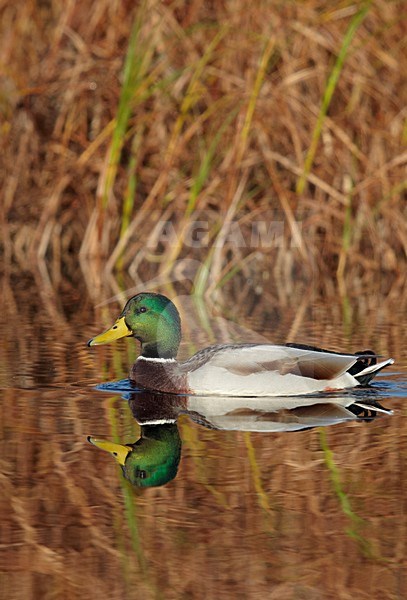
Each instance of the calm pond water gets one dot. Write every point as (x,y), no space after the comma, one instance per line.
(310,514)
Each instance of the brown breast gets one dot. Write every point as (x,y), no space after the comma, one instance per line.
(160,376)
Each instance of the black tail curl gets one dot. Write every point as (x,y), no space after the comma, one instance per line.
(367,359)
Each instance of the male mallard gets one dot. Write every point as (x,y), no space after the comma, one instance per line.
(229,369)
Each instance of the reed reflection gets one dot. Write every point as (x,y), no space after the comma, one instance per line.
(153,459)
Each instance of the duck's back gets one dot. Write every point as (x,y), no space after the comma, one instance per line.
(267,370)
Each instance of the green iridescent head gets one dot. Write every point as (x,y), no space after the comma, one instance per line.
(152,460)
(153,320)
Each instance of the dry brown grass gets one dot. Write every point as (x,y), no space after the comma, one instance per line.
(254,75)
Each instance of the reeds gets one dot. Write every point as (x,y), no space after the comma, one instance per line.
(127,130)
(123,119)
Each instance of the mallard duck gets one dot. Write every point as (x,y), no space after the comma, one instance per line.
(152,460)
(229,369)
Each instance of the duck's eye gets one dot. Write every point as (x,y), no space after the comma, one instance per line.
(141,474)
(142,309)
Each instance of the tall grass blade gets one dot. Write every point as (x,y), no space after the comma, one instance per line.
(328,93)
(238,183)
(138,59)
(205,166)
(193,92)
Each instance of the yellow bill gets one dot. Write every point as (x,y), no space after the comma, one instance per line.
(117,331)
(119,451)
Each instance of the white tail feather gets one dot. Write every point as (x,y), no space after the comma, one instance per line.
(375,367)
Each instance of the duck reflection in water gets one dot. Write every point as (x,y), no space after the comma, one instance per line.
(153,459)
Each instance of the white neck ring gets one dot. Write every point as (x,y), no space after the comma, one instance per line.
(159,360)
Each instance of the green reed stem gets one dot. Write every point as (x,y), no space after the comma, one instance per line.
(255,92)
(137,62)
(206,164)
(328,93)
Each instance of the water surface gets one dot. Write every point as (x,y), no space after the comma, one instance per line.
(313,514)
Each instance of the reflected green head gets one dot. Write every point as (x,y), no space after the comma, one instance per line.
(152,460)
(155,458)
